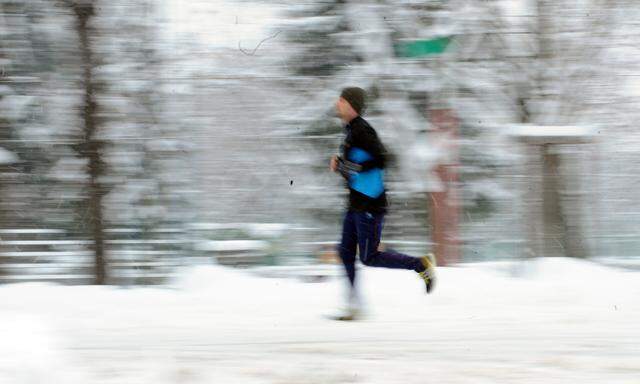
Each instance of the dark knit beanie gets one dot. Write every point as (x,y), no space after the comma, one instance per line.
(356,97)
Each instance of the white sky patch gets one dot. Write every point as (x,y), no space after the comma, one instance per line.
(219,23)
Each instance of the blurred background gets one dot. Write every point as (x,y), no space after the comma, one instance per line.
(137,137)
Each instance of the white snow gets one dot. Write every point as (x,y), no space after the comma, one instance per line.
(30,352)
(545,321)
(254,229)
(31,231)
(4,89)
(268,229)
(552,134)
(7,157)
(69,169)
(232,245)
(15,107)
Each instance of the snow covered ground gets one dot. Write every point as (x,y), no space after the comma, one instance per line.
(547,321)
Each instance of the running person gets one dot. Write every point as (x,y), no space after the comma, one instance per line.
(362,164)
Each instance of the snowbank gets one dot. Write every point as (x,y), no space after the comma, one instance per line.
(551,320)
(30,352)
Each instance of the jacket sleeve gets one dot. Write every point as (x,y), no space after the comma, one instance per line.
(368,140)
(371,164)
(348,168)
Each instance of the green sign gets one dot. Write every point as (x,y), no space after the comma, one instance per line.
(421,48)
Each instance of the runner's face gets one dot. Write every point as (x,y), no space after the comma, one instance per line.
(343,108)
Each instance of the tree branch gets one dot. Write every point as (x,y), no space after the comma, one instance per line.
(258,46)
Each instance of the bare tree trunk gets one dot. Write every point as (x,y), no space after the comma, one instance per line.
(554,224)
(91,147)
(545,47)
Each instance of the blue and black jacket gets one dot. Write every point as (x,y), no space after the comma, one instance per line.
(362,164)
